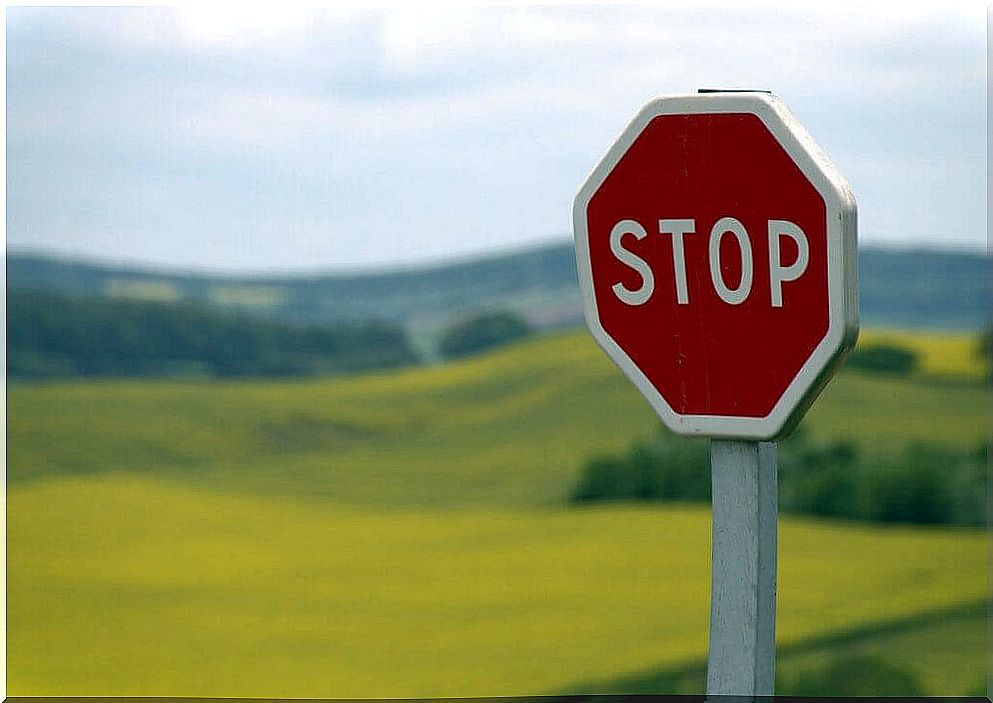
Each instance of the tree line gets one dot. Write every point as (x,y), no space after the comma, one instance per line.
(925,484)
(51,335)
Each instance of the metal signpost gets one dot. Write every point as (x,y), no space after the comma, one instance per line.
(715,244)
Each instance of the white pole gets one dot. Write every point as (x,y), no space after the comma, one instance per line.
(741,658)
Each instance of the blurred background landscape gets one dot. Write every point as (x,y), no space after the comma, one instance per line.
(282,421)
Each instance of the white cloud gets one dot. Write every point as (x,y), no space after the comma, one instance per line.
(248,21)
(423,134)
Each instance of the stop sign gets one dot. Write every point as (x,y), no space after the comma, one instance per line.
(716,251)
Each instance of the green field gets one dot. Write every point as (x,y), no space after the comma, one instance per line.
(405,534)
(511,428)
(130,586)
(943,649)
(948,355)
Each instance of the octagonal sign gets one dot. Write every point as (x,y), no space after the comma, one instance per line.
(716,251)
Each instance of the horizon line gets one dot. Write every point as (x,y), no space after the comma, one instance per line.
(362,270)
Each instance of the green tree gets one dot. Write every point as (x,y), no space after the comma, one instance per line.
(925,484)
(984,350)
(883,358)
(482,332)
(818,478)
(666,468)
(52,335)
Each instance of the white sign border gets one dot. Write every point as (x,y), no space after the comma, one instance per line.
(842,237)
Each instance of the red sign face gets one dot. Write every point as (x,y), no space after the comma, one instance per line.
(716,247)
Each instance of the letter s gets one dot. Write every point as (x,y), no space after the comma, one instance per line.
(643,293)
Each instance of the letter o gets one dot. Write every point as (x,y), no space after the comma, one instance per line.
(734,296)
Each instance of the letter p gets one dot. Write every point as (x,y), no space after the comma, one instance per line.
(779,274)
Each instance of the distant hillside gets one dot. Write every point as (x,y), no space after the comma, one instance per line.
(53,335)
(521,279)
(924,288)
(905,288)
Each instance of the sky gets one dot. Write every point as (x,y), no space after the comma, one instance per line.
(271,138)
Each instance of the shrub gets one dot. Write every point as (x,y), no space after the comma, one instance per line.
(984,350)
(670,468)
(926,484)
(885,359)
(818,479)
(930,484)
(603,478)
(482,332)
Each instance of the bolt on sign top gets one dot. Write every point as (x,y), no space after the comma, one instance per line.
(716,247)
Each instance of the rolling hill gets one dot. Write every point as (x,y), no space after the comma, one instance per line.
(917,289)
(405,533)
(512,427)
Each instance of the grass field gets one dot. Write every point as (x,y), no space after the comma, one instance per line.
(951,355)
(510,428)
(405,534)
(129,586)
(942,650)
